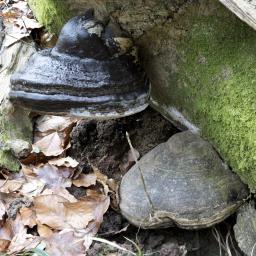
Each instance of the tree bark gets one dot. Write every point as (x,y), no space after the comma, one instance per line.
(244,9)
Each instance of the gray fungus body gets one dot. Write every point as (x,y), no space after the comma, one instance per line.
(91,72)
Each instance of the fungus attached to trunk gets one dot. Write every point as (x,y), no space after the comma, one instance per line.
(91,72)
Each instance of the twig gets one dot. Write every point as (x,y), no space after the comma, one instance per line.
(113,244)
(227,244)
(253,249)
(141,174)
(18,39)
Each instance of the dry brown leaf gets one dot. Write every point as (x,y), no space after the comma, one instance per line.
(54,177)
(60,192)
(5,237)
(28,172)
(108,184)
(65,243)
(29,24)
(85,180)
(61,214)
(8,186)
(43,230)
(102,179)
(2,209)
(54,123)
(50,145)
(21,240)
(28,217)
(65,161)
(32,188)
(34,159)
(99,204)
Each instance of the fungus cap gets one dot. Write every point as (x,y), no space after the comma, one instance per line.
(91,72)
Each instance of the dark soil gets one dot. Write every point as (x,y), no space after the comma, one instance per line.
(104,144)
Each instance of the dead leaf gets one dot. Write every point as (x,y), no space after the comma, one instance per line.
(65,161)
(8,186)
(27,23)
(99,204)
(43,230)
(60,213)
(65,243)
(5,237)
(48,123)
(2,209)
(21,240)
(54,177)
(50,145)
(34,159)
(101,178)
(32,188)
(85,180)
(60,192)
(28,217)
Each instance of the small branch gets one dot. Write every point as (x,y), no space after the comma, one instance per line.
(113,244)
(141,174)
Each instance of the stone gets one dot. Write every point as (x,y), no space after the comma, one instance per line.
(245,229)
(201,68)
(15,124)
(180,182)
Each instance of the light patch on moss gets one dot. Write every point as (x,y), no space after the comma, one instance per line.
(53,14)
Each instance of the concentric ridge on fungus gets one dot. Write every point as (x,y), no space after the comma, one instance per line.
(91,72)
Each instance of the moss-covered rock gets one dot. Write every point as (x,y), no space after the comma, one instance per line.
(15,135)
(15,124)
(202,69)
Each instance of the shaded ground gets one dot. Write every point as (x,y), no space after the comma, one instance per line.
(104,144)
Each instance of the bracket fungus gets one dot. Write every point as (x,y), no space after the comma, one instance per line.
(92,72)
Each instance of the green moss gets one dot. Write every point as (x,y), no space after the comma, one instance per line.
(8,161)
(53,14)
(14,124)
(215,84)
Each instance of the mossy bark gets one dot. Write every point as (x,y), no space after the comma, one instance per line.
(200,59)
(15,124)
(202,65)
(51,13)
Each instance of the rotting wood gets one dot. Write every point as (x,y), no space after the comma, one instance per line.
(244,9)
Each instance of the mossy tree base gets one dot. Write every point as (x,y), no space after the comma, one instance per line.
(15,124)
(202,65)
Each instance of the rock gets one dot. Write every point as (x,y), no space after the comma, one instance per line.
(15,124)
(185,183)
(200,59)
(245,229)
(200,66)
(16,135)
